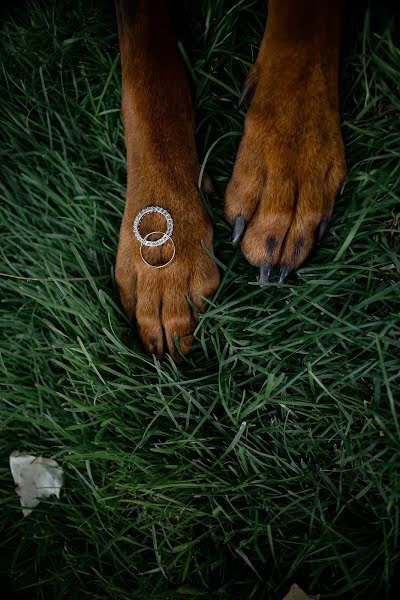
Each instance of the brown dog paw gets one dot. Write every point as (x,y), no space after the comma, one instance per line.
(164,301)
(289,167)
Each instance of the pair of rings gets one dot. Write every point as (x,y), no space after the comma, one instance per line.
(165,236)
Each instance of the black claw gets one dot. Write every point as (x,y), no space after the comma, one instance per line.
(265,271)
(207,185)
(246,92)
(285,270)
(238,229)
(322,230)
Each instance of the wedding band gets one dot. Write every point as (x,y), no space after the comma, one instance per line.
(144,244)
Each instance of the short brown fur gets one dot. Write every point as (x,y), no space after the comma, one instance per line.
(289,168)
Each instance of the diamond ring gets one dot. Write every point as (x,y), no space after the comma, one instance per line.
(166,235)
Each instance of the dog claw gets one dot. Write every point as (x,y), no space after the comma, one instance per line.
(207,185)
(238,229)
(246,92)
(265,271)
(285,270)
(322,227)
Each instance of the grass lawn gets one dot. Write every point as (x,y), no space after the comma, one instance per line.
(273,455)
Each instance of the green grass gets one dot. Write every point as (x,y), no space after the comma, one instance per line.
(273,455)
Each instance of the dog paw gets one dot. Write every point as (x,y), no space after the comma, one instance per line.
(289,168)
(164,301)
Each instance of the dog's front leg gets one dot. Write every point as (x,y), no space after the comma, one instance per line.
(290,163)
(162,169)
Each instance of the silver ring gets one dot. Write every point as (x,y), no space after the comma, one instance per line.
(166,235)
(144,244)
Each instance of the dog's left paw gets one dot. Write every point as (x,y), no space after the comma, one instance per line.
(289,168)
(164,301)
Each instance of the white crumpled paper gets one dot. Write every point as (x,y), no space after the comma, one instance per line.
(35,477)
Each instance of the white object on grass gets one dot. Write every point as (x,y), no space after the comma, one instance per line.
(35,477)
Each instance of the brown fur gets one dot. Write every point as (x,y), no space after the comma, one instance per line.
(290,163)
(289,168)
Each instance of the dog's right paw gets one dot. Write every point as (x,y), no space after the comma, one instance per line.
(289,167)
(164,301)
